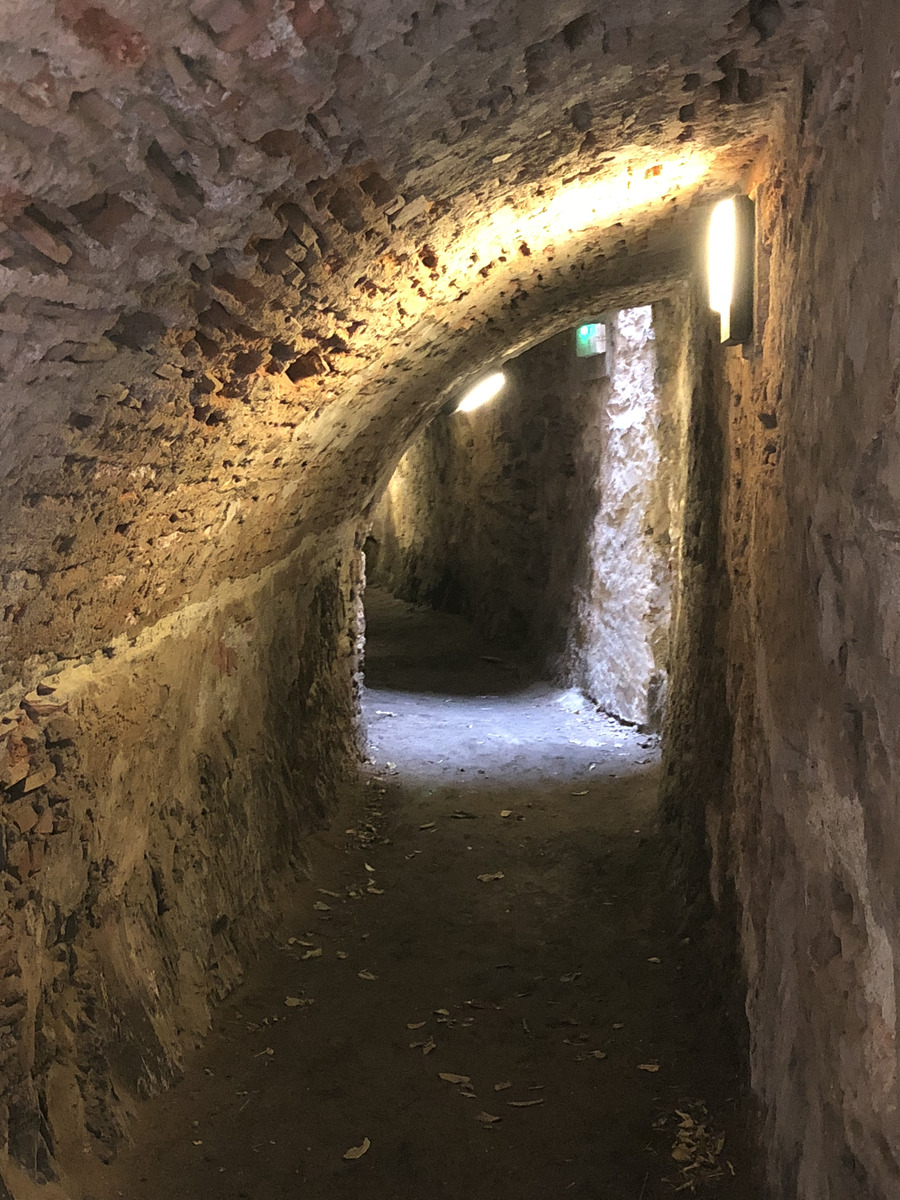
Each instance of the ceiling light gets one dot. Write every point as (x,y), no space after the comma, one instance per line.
(482,392)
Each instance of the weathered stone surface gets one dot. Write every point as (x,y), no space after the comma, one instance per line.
(787,669)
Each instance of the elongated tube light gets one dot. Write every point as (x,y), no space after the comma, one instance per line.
(482,392)
(730,248)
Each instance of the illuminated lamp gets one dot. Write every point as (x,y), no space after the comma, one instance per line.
(730,267)
(590,340)
(482,392)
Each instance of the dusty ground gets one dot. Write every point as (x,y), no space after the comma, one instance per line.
(568,994)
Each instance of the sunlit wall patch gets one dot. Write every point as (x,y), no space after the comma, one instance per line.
(730,254)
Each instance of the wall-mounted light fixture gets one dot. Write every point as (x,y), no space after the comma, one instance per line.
(590,340)
(730,252)
(482,392)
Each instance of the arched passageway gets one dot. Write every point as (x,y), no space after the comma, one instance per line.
(249,248)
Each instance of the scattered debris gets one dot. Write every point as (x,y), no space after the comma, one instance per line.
(525,1103)
(429,825)
(366,975)
(316,953)
(448,1077)
(357,1151)
(648,1066)
(501,1087)
(297,1002)
(488,1119)
(697,1148)
(321,906)
(506,812)
(489,878)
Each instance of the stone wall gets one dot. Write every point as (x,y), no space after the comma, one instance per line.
(789,668)
(148,829)
(618,640)
(547,517)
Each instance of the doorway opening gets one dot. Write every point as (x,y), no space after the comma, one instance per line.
(549,518)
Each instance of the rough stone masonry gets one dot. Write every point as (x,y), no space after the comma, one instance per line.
(249,247)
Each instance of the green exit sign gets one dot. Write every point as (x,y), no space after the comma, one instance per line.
(590,340)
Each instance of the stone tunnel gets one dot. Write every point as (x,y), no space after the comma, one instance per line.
(249,250)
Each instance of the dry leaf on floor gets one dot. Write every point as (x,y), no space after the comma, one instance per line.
(374,891)
(501,1087)
(462,815)
(429,825)
(570,978)
(449,1078)
(366,975)
(697,1148)
(524,1103)
(654,959)
(584,793)
(487,1118)
(429,1046)
(648,1066)
(415,1024)
(317,953)
(358,1151)
(597,1053)
(296,1002)
(489,878)
(506,812)
(321,906)
(618,1025)
(442,1012)
(341,953)
(371,870)
(325,892)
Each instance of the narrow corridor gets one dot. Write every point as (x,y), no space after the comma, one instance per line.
(485,984)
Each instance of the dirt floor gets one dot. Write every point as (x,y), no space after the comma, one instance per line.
(486,990)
